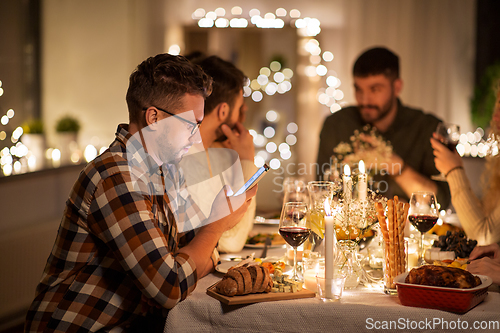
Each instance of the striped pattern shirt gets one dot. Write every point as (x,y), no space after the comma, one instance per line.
(117,241)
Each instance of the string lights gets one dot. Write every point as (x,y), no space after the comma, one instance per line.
(274,79)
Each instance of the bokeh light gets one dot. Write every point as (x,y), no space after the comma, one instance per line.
(274,163)
(292,128)
(269,132)
(294,13)
(272,116)
(271,147)
(327,56)
(291,139)
(257,96)
(236,10)
(275,66)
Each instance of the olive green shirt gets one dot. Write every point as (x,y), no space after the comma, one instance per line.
(409,136)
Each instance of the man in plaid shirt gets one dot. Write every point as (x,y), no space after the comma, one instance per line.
(131,242)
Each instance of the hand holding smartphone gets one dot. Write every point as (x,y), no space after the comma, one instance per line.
(253,180)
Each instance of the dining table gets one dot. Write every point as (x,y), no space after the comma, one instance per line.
(362,309)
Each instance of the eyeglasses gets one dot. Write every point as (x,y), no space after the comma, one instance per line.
(195,126)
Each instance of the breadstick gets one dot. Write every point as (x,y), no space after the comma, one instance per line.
(392,250)
(395,241)
(406,207)
(400,238)
(385,234)
(381,220)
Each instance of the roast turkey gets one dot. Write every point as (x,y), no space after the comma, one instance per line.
(439,276)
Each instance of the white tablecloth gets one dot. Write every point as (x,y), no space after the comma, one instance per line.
(360,310)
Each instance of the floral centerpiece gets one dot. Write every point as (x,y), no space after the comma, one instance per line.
(355,220)
(365,144)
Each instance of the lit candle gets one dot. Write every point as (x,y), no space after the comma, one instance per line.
(346,179)
(362,184)
(310,279)
(329,245)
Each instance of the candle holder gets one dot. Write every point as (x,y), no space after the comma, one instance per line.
(355,221)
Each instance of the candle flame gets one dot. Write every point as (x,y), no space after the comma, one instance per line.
(328,210)
(347,170)
(362,166)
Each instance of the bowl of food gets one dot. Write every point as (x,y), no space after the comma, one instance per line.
(443,288)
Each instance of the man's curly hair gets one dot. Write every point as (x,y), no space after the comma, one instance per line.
(161,81)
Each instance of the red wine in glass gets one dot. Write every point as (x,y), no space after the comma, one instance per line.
(294,236)
(293,228)
(448,134)
(423,223)
(451,145)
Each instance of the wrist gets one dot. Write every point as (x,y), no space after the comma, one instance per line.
(458,167)
(247,154)
(212,230)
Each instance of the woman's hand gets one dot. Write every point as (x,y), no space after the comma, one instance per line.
(445,159)
(492,251)
(485,260)
(486,266)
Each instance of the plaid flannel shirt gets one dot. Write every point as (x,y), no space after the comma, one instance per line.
(116,242)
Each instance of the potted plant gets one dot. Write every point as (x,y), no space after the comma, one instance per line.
(67,129)
(33,126)
(67,124)
(483,102)
(33,137)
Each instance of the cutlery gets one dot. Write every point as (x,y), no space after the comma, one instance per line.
(266,245)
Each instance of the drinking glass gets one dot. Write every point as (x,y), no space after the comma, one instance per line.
(423,214)
(449,135)
(293,228)
(319,192)
(295,190)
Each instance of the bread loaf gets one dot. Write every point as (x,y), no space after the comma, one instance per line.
(244,280)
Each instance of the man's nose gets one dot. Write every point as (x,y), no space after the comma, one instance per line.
(195,138)
(365,98)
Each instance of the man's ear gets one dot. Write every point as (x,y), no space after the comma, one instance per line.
(398,87)
(151,118)
(222,111)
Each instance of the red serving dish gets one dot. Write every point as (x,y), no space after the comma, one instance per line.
(447,299)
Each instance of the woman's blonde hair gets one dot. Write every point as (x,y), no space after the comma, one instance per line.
(491,175)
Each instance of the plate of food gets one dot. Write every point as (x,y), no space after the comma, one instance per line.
(263,221)
(224,266)
(444,288)
(455,241)
(258,241)
(251,282)
(271,263)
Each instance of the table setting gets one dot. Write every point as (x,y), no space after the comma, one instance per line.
(334,282)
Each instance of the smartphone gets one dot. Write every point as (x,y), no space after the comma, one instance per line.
(253,180)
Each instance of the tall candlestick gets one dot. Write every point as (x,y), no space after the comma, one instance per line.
(362,184)
(329,243)
(346,179)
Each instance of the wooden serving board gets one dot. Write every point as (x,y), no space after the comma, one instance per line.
(260,297)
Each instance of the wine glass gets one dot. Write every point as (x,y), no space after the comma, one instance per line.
(293,228)
(295,189)
(449,135)
(423,214)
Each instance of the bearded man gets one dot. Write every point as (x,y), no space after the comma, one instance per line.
(409,166)
(227,147)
